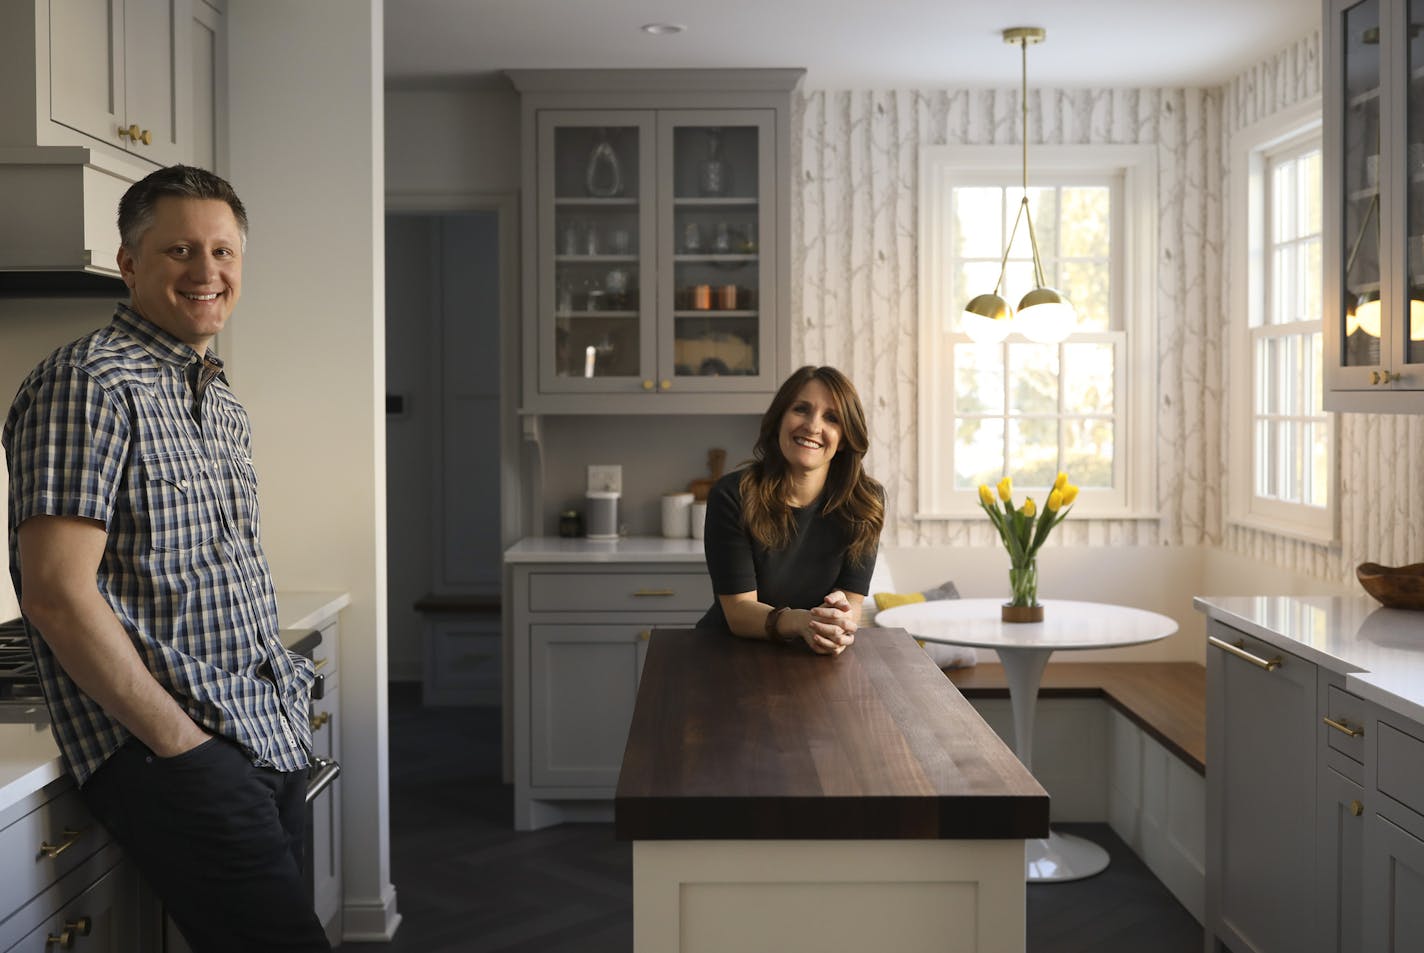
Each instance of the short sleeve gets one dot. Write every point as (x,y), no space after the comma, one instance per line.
(65,443)
(855,577)
(725,541)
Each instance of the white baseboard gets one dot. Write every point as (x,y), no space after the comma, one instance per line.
(372,920)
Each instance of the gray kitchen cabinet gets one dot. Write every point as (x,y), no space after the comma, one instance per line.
(1393,883)
(1261,795)
(1340,816)
(656,245)
(580,635)
(324,859)
(61,876)
(1373,229)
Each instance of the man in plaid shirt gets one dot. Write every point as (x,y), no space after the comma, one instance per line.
(135,550)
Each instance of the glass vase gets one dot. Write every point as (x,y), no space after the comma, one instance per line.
(1023,583)
(713,174)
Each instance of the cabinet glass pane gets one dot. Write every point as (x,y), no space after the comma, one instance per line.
(1361,345)
(597,280)
(1414,316)
(715,244)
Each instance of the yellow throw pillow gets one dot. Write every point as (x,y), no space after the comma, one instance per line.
(888,600)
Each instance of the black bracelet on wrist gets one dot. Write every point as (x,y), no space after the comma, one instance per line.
(771,619)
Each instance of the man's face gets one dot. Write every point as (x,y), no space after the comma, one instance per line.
(186,274)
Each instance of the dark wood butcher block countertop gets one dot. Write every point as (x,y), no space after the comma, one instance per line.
(740,738)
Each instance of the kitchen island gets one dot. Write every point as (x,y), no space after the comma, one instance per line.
(783,801)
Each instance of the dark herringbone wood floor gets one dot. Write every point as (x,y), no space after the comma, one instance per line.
(467,883)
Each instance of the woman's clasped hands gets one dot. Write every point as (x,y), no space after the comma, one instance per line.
(829,628)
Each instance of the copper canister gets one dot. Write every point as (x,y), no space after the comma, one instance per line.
(727,297)
(702,298)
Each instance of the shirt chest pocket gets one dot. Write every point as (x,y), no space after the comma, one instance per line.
(242,484)
(180,506)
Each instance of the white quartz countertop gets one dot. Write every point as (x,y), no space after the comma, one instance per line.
(29,758)
(627,549)
(1379,651)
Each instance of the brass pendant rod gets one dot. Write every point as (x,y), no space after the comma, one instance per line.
(1364,226)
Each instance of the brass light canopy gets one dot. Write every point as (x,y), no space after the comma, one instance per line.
(1044,314)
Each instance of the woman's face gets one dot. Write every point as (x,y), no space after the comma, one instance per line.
(810,429)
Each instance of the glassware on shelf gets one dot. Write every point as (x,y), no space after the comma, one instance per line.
(615,284)
(569,238)
(620,241)
(713,175)
(722,241)
(691,238)
(602,177)
(590,240)
(565,298)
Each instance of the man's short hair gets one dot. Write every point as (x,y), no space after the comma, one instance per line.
(140,203)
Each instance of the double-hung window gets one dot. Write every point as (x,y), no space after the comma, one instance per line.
(1281,468)
(1022,408)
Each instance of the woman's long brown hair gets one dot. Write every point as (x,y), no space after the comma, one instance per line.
(851,494)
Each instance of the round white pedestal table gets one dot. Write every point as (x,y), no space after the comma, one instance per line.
(1024,648)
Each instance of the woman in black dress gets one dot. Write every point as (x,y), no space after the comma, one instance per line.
(791,538)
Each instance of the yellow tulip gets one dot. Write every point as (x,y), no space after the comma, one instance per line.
(1055,500)
(1006,489)
(1070,493)
(1060,481)
(1028,508)
(986,496)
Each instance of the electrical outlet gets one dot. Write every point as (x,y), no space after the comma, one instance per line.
(605,477)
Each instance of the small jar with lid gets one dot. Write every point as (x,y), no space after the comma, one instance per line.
(570,524)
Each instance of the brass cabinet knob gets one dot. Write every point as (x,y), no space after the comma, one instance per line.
(647,385)
(319,720)
(1374,377)
(665,384)
(131,132)
(79,927)
(645,635)
(1356,809)
(146,137)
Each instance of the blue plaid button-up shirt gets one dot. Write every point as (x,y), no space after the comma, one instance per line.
(105,429)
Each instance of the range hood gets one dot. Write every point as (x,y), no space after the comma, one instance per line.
(60,234)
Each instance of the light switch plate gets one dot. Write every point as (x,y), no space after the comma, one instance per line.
(608,476)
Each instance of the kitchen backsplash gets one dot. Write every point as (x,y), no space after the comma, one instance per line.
(659,454)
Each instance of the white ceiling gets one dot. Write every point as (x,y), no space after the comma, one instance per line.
(852,44)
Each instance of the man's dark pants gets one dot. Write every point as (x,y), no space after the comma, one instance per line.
(218,839)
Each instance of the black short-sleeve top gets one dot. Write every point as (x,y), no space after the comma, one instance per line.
(812,565)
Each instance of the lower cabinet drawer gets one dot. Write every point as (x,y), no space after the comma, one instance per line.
(619,592)
(44,845)
(1346,723)
(96,921)
(1400,768)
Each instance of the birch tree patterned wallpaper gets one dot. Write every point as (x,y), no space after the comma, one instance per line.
(854,232)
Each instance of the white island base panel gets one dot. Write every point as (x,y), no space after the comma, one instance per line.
(824,896)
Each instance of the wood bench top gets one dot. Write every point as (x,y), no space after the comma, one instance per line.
(1165,699)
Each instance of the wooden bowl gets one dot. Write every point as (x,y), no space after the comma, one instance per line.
(1400,587)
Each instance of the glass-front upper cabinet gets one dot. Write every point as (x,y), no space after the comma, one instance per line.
(596,245)
(1374,208)
(716,326)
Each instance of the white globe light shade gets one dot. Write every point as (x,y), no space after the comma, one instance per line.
(986,319)
(1045,316)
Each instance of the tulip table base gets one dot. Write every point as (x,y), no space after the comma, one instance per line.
(1059,857)
(1024,649)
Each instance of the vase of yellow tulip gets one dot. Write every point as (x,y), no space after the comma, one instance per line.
(1023,530)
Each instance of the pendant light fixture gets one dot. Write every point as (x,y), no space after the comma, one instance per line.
(1044,314)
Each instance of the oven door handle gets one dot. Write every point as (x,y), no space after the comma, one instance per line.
(327,771)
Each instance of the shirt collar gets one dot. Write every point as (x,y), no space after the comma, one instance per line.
(159,342)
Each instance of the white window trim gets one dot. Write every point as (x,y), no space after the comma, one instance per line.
(942,168)
(1250,150)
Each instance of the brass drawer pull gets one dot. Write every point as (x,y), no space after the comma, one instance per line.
(1344,728)
(1356,809)
(656,592)
(319,722)
(1239,650)
(319,664)
(70,835)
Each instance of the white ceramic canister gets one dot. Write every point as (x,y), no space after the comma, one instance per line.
(699,519)
(602,519)
(677,515)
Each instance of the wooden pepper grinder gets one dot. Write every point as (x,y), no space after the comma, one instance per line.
(716,459)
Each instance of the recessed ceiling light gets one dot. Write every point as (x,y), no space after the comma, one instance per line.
(662,29)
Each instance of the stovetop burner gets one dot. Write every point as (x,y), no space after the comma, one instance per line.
(19,681)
